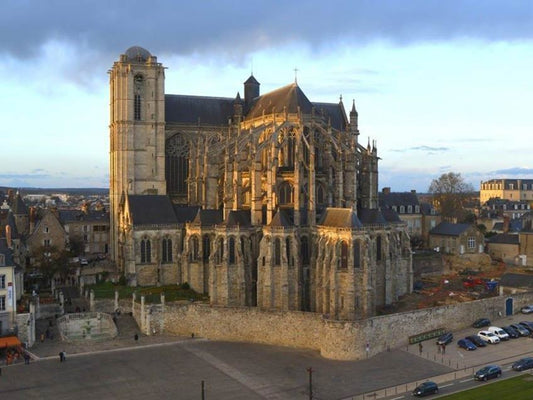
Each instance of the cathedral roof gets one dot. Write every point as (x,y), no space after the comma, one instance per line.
(202,110)
(137,53)
(332,113)
(185,213)
(340,218)
(151,209)
(289,98)
(251,79)
(208,217)
(371,216)
(282,219)
(239,218)
(390,215)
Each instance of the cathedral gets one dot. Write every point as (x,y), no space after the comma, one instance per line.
(265,200)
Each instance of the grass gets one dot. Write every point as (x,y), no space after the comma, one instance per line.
(517,388)
(106,290)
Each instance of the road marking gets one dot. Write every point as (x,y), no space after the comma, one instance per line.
(449,384)
(467,380)
(460,354)
(398,398)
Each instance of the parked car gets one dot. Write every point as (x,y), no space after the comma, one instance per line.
(426,388)
(488,372)
(476,340)
(528,325)
(523,331)
(83,261)
(523,364)
(512,332)
(466,344)
(498,332)
(489,337)
(480,323)
(527,309)
(445,338)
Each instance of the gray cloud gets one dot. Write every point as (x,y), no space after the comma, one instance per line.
(24,176)
(514,171)
(99,28)
(429,149)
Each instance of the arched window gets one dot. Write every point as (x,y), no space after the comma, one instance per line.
(195,249)
(277,252)
(287,151)
(138,87)
(220,249)
(232,250)
(166,250)
(146,251)
(177,164)
(320,197)
(206,247)
(285,193)
(344,255)
(356,254)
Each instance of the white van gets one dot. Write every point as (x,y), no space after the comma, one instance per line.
(498,332)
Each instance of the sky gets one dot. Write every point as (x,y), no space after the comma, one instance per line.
(441,86)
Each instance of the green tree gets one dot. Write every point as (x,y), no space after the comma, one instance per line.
(450,191)
(51,261)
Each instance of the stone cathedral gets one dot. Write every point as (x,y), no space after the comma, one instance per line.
(265,200)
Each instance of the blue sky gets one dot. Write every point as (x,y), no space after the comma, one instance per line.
(441,86)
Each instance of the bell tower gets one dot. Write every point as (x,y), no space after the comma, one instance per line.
(136,130)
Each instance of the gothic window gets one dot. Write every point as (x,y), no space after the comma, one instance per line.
(277,252)
(146,251)
(243,245)
(304,250)
(232,250)
(344,255)
(166,250)
(220,249)
(356,254)
(378,248)
(195,249)
(206,247)
(177,165)
(137,97)
(285,194)
(288,250)
(320,195)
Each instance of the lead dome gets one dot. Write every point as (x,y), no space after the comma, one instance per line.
(137,53)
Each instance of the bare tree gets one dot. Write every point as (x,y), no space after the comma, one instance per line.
(449,194)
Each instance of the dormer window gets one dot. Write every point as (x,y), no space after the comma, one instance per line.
(409,209)
(402,209)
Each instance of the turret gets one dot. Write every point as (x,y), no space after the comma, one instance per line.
(251,91)
(354,128)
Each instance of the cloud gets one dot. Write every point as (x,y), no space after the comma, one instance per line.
(428,149)
(24,176)
(515,171)
(97,31)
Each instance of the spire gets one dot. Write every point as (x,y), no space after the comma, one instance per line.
(354,128)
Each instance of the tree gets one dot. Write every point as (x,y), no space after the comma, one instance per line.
(450,192)
(51,261)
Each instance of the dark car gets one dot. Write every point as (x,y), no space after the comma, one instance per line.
(445,338)
(488,372)
(480,323)
(528,325)
(466,344)
(520,329)
(476,340)
(426,388)
(512,332)
(523,364)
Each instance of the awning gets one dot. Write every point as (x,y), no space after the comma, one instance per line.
(9,341)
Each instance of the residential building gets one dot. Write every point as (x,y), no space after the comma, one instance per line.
(456,238)
(508,189)
(10,289)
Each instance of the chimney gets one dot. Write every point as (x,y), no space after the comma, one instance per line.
(385,190)
(413,191)
(505,224)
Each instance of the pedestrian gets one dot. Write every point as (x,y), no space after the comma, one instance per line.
(420,348)
(136,337)
(60,356)
(443,348)
(438,348)
(26,358)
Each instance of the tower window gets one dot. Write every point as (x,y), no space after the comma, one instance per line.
(137,107)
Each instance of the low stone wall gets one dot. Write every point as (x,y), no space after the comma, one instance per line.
(86,326)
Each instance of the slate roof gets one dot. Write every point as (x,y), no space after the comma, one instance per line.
(7,252)
(504,238)
(398,199)
(390,215)
(517,280)
(340,218)
(332,112)
(185,214)
(449,229)
(18,206)
(498,226)
(425,209)
(239,218)
(282,219)
(198,109)
(287,98)
(208,217)
(151,210)
(66,216)
(371,216)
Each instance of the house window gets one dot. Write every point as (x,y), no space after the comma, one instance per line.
(417,209)
(409,209)
(2,303)
(146,251)
(46,230)
(471,242)
(46,242)
(402,210)
(166,247)
(2,281)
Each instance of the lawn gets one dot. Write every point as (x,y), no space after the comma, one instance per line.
(517,388)
(106,290)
